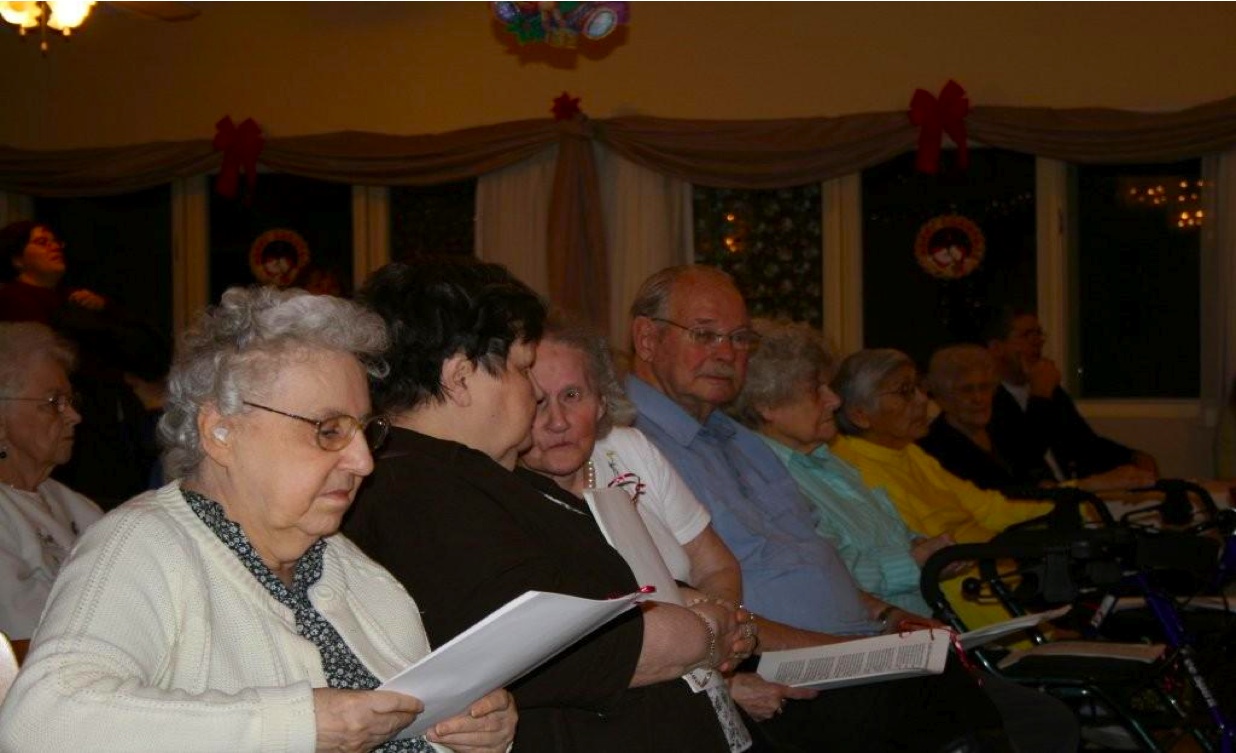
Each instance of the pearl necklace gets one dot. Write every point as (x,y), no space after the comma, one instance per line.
(590,475)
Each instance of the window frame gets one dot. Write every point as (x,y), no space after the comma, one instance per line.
(1055,240)
(191,241)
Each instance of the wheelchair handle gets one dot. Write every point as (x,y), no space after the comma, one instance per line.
(929,578)
(1062,496)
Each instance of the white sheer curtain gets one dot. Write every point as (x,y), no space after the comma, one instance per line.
(647,228)
(647,225)
(512,218)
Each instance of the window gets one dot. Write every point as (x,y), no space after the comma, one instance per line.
(770,241)
(119,247)
(433,219)
(943,253)
(295,231)
(1137,280)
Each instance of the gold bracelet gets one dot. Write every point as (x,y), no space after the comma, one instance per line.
(711,660)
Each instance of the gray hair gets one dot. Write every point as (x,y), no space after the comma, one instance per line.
(790,354)
(950,363)
(236,348)
(652,298)
(858,380)
(22,344)
(568,330)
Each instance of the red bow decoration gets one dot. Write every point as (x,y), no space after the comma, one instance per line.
(565,107)
(936,117)
(241,146)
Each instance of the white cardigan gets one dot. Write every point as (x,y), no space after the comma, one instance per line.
(37,530)
(156,638)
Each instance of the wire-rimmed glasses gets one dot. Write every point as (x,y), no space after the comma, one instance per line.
(334,433)
(743,338)
(60,401)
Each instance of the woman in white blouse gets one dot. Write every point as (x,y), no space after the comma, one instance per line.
(40,518)
(582,439)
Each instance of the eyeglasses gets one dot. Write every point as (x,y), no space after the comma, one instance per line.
(335,432)
(743,339)
(906,391)
(60,402)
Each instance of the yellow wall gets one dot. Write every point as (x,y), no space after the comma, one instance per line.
(410,68)
(425,67)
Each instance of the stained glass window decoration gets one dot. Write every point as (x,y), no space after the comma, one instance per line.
(770,241)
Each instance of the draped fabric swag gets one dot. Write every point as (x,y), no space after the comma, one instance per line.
(736,153)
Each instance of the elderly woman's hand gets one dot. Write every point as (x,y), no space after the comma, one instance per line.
(487,727)
(922,548)
(763,699)
(356,721)
(734,627)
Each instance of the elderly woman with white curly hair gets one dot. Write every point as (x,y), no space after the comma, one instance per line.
(223,611)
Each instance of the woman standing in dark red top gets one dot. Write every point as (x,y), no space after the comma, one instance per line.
(36,266)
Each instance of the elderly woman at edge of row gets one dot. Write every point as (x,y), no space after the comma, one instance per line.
(582,439)
(883,413)
(788,401)
(222,612)
(449,513)
(40,518)
(963,380)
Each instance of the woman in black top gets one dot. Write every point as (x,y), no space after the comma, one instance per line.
(448,514)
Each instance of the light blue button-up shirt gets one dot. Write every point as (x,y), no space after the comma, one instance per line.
(869,533)
(790,573)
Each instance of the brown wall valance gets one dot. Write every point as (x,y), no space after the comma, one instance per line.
(740,154)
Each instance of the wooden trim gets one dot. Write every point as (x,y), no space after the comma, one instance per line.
(1156,409)
(841,206)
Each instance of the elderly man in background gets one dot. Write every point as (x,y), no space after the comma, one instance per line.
(1035,426)
(691,339)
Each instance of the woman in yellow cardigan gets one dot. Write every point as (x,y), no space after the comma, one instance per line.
(883,412)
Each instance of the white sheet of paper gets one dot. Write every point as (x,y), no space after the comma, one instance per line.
(513,640)
(989,633)
(858,662)
(625,531)
(1146,653)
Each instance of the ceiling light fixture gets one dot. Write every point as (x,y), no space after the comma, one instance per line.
(59,15)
